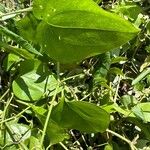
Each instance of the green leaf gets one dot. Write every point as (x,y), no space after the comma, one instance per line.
(148,80)
(138,112)
(128,101)
(108,147)
(97,1)
(102,68)
(16,131)
(143,144)
(22,42)
(80,115)
(128,9)
(145,64)
(115,108)
(145,107)
(55,132)
(34,81)
(17,51)
(116,71)
(34,143)
(10,60)
(74,30)
(39,110)
(118,60)
(2,8)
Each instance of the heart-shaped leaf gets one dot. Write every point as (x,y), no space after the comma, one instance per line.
(74,30)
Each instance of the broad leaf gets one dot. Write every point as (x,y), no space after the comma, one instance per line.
(34,81)
(82,116)
(74,30)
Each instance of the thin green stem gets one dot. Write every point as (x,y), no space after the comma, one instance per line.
(141,76)
(69,78)
(123,138)
(4,116)
(15,117)
(6,107)
(58,71)
(64,147)
(48,116)
(117,89)
(4,94)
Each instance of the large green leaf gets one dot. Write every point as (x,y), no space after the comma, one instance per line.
(74,30)
(34,81)
(80,115)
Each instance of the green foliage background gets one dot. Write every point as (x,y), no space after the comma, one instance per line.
(75,75)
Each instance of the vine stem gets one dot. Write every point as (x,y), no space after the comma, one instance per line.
(4,94)
(48,117)
(50,107)
(117,88)
(64,147)
(17,12)
(5,111)
(123,138)
(15,117)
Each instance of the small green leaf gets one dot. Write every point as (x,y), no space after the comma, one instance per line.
(81,115)
(22,42)
(128,101)
(145,107)
(145,64)
(138,112)
(10,60)
(118,60)
(108,147)
(34,143)
(128,9)
(17,51)
(102,68)
(115,108)
(116,71)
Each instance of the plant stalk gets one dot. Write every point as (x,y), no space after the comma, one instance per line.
(48,117)
(123,138)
